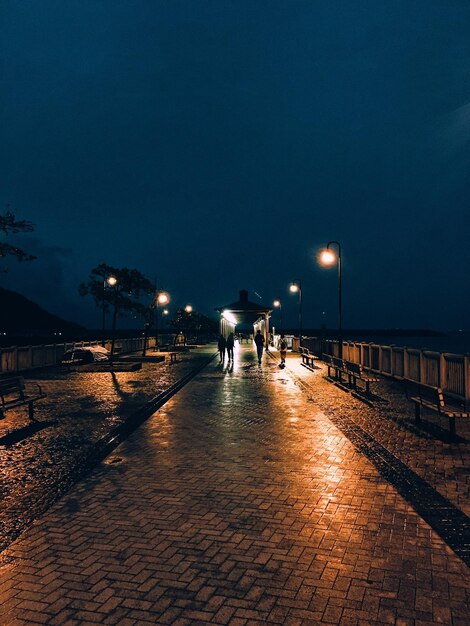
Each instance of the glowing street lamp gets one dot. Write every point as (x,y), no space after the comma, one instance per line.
(296,287)
(278,305)
(188,308)
(112,282)
(108,281)
(329,257)
(161,298)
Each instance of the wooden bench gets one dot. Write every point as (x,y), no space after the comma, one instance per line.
(306,356)
(433,399)
(356,372)
(336,364)
(13,393)
(328,359)
(339,367)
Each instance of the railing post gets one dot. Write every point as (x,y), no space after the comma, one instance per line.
(442,371)
(466,373)
(422,368)
(406,363)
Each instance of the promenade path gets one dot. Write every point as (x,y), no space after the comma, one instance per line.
(243,500)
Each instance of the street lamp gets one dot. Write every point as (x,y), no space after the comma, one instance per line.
(112,282)
(278,305)
(108,281)
(329,257)
(296,287)
(188,308)
(161,297)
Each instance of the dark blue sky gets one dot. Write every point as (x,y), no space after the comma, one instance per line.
(218,144)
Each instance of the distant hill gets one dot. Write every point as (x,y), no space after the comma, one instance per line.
(20,315)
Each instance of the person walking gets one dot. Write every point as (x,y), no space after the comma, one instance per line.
(259,341)
(230,344)
(221,345)
(283,351)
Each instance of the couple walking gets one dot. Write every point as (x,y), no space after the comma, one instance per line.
(226,344)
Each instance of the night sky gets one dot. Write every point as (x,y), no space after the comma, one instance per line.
(217,145)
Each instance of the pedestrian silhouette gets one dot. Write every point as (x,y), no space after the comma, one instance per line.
(221,345)
(283,351)
(230,343)
(259,341)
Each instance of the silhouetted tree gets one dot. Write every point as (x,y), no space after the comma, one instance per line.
(193,323)
(9,224)
(123,297)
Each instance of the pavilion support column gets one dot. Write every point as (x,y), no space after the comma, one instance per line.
(266,331)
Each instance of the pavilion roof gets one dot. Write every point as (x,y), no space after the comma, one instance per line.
(245,310)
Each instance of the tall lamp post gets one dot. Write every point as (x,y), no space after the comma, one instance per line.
(188,309)
(329,257)
(108,282)
(296,287)
(112,282)
(161,297)
(278,305)
(103,312)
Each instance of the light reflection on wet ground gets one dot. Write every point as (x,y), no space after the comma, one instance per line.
(242,490)
(389,419)
(39,461)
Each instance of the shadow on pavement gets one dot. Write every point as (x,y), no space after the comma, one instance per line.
(23,433)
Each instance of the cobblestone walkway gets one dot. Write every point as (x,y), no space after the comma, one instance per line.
(238,502)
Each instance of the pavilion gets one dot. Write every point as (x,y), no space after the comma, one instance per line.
(245,312)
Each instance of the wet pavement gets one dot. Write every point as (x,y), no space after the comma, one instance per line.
(39,461)
(254,497)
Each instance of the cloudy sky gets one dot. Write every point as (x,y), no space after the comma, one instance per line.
(218,144)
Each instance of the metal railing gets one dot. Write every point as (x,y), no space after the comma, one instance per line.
(22,358)
(449,371)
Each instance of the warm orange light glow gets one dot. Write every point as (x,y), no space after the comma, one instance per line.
(112,281)
(277,303)
(163,298)
(327,257)
(188,308)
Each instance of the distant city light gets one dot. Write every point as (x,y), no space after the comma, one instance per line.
(112,281)
(188,308)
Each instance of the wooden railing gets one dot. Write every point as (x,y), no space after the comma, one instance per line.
(449,371)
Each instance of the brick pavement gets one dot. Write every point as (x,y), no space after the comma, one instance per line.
(238,502)
(40,461)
